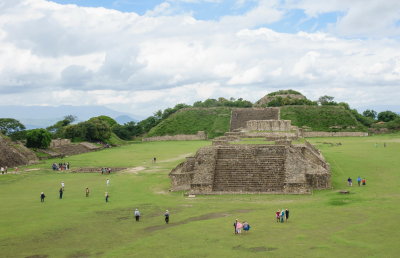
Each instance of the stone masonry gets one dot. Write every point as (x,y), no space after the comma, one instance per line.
(269,125)
(253,168)
(240,116)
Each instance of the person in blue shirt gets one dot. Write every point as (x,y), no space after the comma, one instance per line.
(359,180)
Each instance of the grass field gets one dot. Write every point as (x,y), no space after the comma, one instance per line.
(324,224)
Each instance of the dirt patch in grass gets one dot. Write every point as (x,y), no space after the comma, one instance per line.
(197,218)
(177,158)
(79,254)
(256,249)
(37,256)
(133,170)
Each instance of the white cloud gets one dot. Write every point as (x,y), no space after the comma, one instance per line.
(64,54)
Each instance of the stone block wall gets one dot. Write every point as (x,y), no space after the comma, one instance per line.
(201,135)
(59,142)
(334,134)
(240,116)
(269,125)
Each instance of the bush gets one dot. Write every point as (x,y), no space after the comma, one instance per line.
(38,138)
(387,116)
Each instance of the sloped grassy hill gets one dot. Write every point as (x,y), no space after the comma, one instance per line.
(321,118)
(216,121)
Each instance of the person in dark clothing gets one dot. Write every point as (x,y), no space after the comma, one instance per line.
(87,191)
(42,196)
(107,196)
(61,193)
(234,226)
(166,215)
(287,214)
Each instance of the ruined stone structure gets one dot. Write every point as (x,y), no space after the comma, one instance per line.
(15,154)
(59,142)
(240,116)
(254,168)
(201,135)
(259,168)
(269,125)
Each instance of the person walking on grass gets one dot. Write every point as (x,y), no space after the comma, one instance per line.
(166,215)
(277,215)
(282,215)
(42,196)
(107,196)
(108,182)
(239,227)
(61,191)
(287,214)
(87,191)
(359,180)
(364,181)
(234,226)
(349,181)
(137,214)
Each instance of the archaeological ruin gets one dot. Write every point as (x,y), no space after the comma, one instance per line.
(274,167)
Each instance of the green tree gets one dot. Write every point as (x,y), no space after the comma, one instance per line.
(96,129)
(57,130)
(326,100)
(370,113)
(9,126)
(106,119)
(38,138)
(387,116)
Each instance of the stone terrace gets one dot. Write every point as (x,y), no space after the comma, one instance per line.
(240,116)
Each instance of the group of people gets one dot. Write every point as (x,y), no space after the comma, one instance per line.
(60,166)
(105,171)
(87,191)
(359,181)
(282,215)
(238,226)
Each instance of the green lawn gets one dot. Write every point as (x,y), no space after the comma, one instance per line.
(324,224)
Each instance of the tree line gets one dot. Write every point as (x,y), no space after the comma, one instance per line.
(102,128)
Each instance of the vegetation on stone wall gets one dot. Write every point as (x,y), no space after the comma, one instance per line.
(322,118)
(214,121)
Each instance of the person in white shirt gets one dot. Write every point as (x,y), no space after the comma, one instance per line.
(137,215)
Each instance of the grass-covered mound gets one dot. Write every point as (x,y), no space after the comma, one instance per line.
(322,118)
(214,121)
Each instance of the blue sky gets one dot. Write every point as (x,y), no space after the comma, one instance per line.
(294,20)
(151,55)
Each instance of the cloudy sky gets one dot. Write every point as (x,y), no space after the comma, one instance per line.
(141,56)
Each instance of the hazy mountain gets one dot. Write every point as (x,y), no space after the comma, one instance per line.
(43,116)
(124,119)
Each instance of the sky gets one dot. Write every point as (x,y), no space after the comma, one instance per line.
(141,56)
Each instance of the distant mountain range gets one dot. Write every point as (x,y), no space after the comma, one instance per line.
(44,116)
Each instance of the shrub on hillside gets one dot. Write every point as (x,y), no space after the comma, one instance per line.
(387,116)
(38,138)
(284,92)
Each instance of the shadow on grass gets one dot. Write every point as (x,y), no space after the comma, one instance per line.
(198,218)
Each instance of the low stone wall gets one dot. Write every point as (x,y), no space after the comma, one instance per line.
(334,134)
(59,142)
(201,135)
(269,125)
